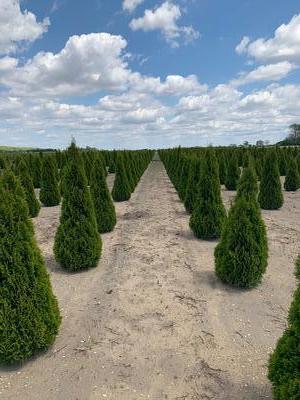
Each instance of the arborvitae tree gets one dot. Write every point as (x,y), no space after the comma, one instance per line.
(121,190)
(258,168)
(29,314)
(284,364)
(270,196)
(184,176)
(281,163)
(248,186)
(222,169)
(128,171)
(62,179)
(26,181)
(103,204)
(12,184)
(112,162)
(36,170)
(233,173)
(103,163)
(77,241)
(50,193)
(88,158)
(241,256)
(192,185)
(208,214)
(292,179)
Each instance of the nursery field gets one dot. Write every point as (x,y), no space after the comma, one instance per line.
(153,320)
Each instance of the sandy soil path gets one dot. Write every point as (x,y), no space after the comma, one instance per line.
(152,321)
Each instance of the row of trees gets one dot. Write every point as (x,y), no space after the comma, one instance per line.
(241,256)
(29,313)
(184,166)
(87,207)
(242,252)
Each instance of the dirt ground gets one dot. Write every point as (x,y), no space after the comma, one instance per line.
(152,321)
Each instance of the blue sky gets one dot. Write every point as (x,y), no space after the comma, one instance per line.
(143,73)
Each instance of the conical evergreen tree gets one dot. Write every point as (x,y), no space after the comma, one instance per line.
(208,214)
(112,162)
(233,173)
(121,190)
(26,181)
(281,162)
(284,364)
(29,314)
(248,186)
(258,168)
(103,204)
(292,179)
(192,185)
(241,256)
(103,163)
(270,196)
(222,169)
(182,185)
(128,171)
(12,184)
(50,193)
(36,170)
(77,242)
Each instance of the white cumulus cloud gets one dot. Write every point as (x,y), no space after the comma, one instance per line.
(165,19)
(131,5)
(87,64)
(17,26)
(242,46)
(271,72)
(284,46)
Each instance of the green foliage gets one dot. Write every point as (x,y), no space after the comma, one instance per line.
(258,168)
(183,180)
(104,207)
(222,169)
(292,179)
(297,271)
(12,184)
(248,186)
(36,168)
(298,162)
(241,256)
(233,173)
(282,165)
(77,242)
(270,196)
(26,181)
(50,193)
(112,163)
(128,171)
(284,363)
(121,190)
(192,184)
(29,314)
(208,214)
(2,163)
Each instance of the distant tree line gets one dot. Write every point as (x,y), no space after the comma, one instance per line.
(293,138)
